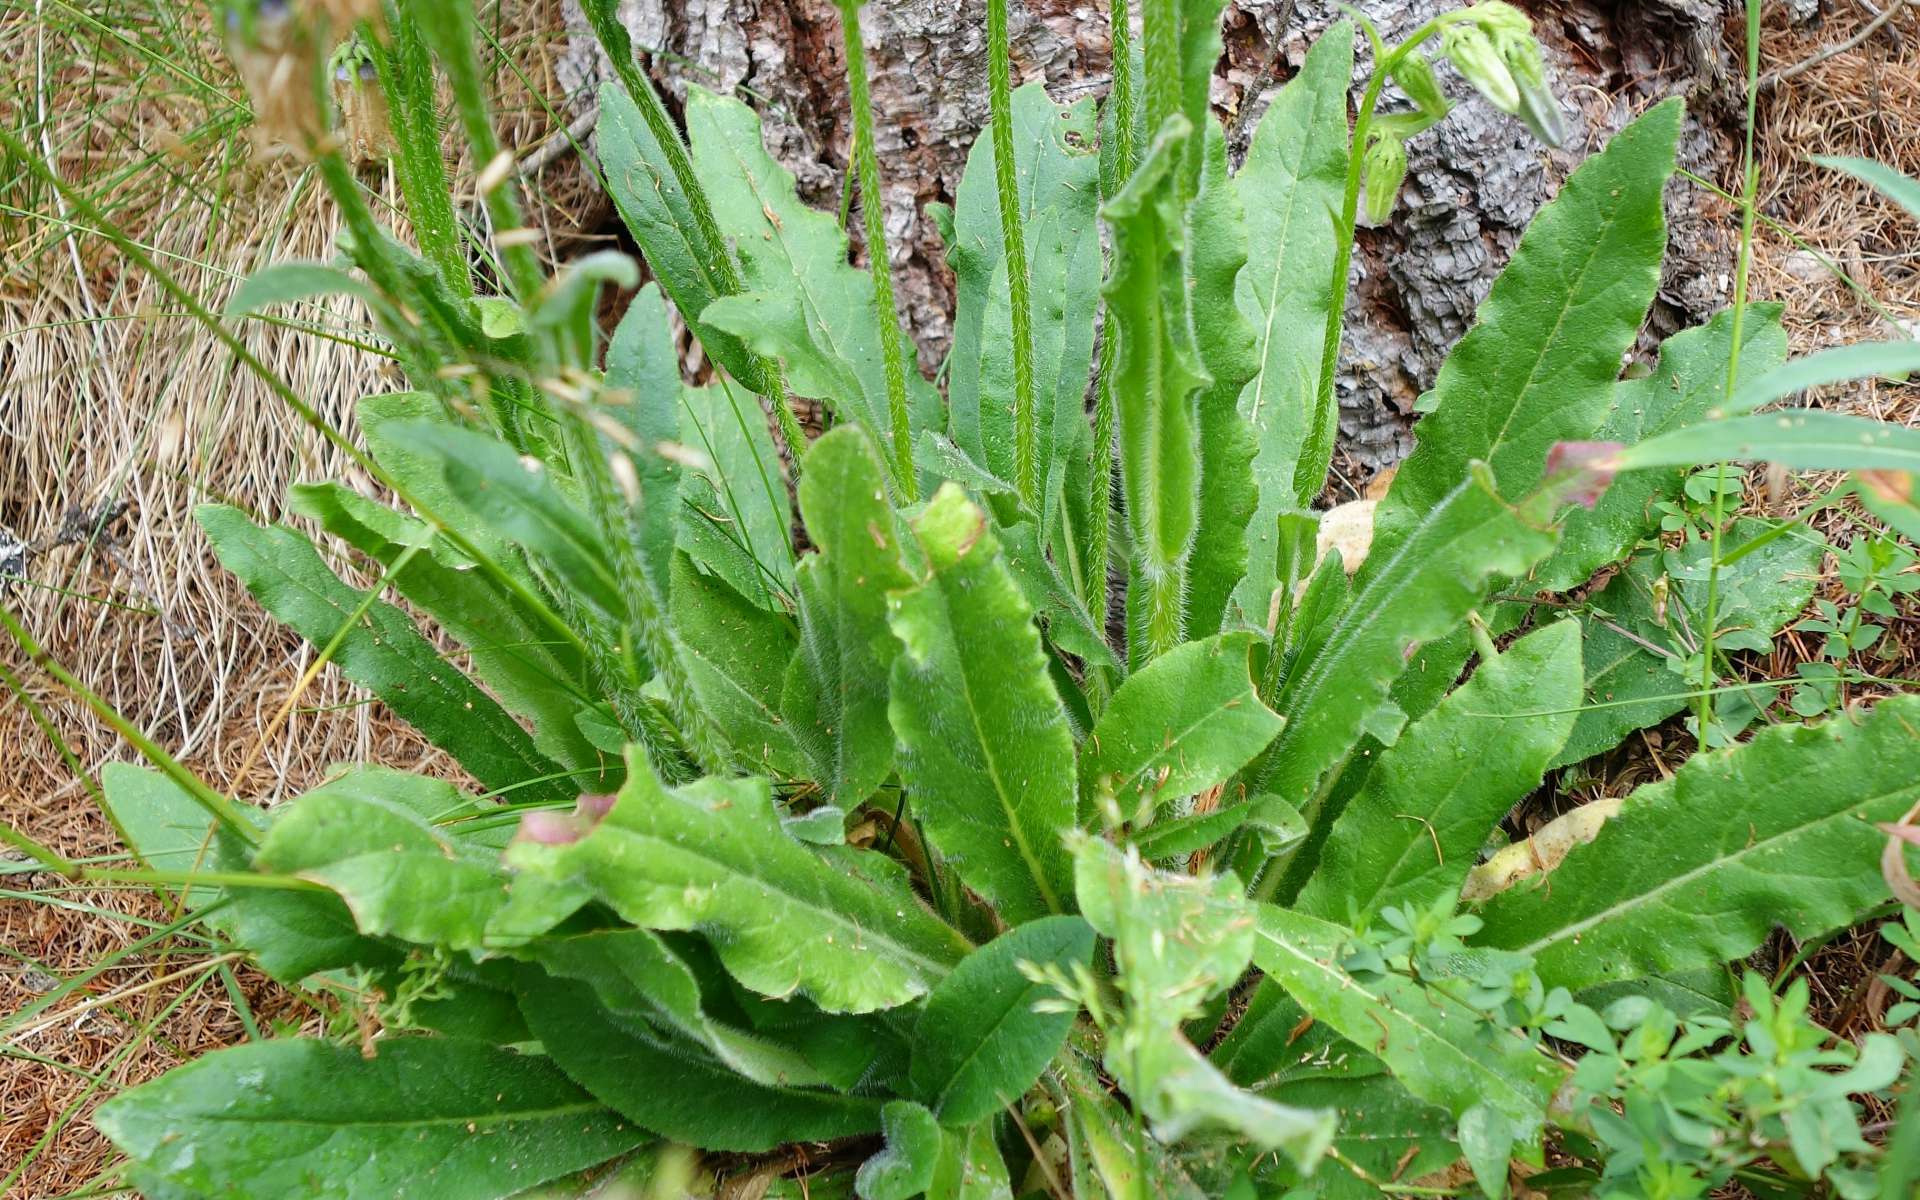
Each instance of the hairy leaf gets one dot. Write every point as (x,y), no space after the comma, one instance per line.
(644,369)
(1697,869)
(1216,230)
(383,653)
(1422,589)
(804,303)
(426,1117)
(636,977)
(1430,801)
(735,520)
(984,746)
(1291,186)
(1155,378)
(979,1044)
(836,686)
(1440,1050)
(731,647)
(511,651)
(397,874)
(840,925)
(664,1086)
(1539,364)
(1054,168)
(1177,940)
(905,1166)
(1689,382)
(1183,724)
(660,217)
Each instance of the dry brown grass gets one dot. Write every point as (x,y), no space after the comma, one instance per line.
(108,396)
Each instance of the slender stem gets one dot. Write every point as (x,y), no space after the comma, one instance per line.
(1118,167)
(1160,52)
(1026,439)
(612,35)
(866,163)
(1749,185)
(1316,456)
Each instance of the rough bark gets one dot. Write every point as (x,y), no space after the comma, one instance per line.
(1473,182)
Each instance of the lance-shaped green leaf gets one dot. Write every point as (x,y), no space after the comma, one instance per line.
(1687,384)
(1291,185)
(1054,169)
(1696,870)
(644,369)
(1216,229)
(398,875)
(636,977)
(979,1044)
(1539,364)
(804,303)
(984,746)
(509,648)
(381,652)
(839,925)
(386,421)
(521,500)
(1182,724)
(424,1117)
(1838,365)
(668,1086)
(1428,804)
(1439,1049)
(836,687)
(657,212)
(1155,380)
(735,520)
(1422,589)
(731,645)
(1805,439)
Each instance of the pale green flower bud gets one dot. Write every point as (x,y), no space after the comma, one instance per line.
(1538,108)
(1415,76)
(1384,168)
(1474,53)
(1495,17)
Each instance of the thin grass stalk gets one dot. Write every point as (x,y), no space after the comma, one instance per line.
(1749,186)
(612,35)
(873,213)
(1026,434)
(1117,167)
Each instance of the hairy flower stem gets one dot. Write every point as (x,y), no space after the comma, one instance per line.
(706,229)
(873,213)
(1026,434)
(1116,167)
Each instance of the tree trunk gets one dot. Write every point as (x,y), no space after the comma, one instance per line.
(1473,182)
